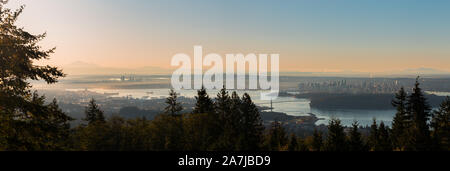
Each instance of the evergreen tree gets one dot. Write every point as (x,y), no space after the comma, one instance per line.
(441,126)
(50,131)
(251,127)
(19,51)
(202,128)
(58,124)
(277,137)
(336,139)
(384,141)
(419,109)
(94,135)
(204,103)
(171,136)
(374,136)
(233,134)
(222,104)
(24,117)
(222,109)
(401,122)
(93,113)
(173,107)
(355,140)
(317,141)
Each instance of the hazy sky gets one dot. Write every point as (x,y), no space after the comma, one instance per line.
(309,35)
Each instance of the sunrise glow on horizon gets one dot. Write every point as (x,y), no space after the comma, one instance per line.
(310,36)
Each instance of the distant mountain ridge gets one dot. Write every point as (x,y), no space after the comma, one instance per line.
(83,68)
(425,71)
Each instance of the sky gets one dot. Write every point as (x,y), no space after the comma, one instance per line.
(309,35)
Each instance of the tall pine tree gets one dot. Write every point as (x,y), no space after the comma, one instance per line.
(418,108)
(251,127)
(441,126)
(355,140)
(373,136)
(93,113)
(24,119)
(384,141)
(222,104)
(277,139)
(204,103)
(336,139)
(233,133)
(223,110)
(173,107)
(401,122)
